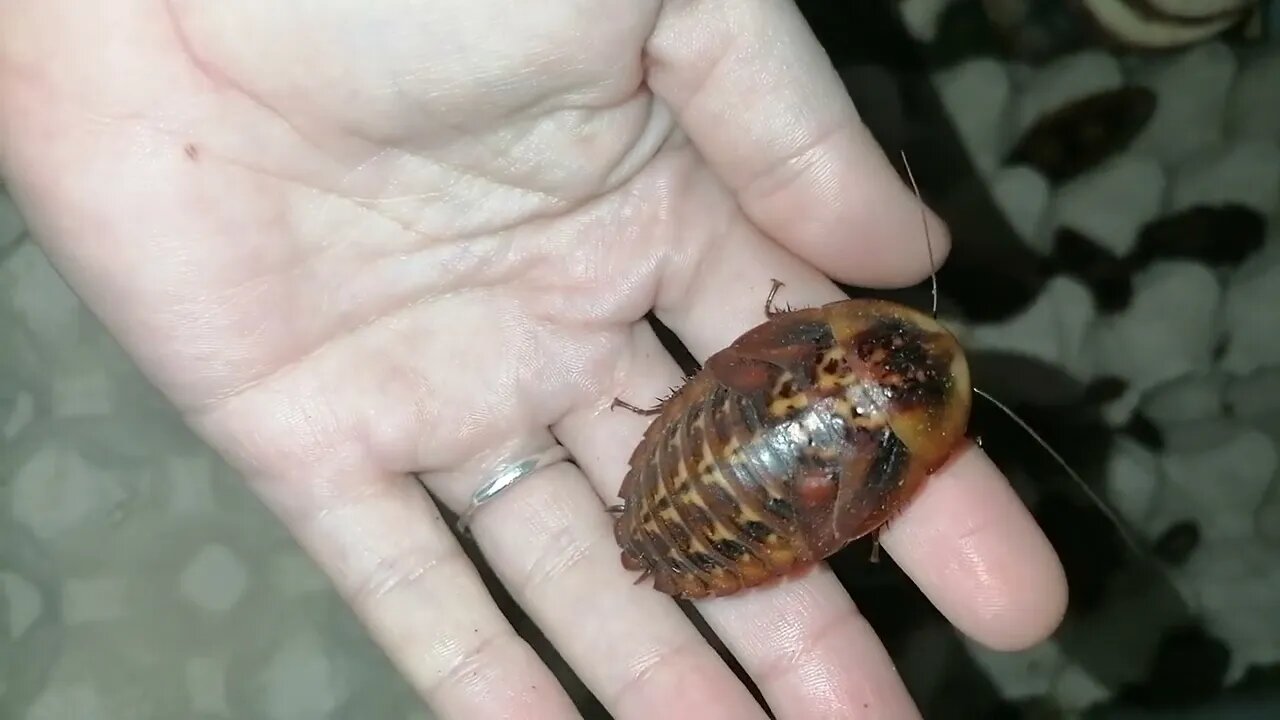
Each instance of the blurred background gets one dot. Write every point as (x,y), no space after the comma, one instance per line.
(1110,170)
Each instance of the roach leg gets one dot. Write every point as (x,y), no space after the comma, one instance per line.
(875,545)
(617,509)
(771,310)
(620,403)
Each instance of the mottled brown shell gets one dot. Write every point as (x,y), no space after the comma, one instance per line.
(808,432)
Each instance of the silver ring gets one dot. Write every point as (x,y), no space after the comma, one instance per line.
(507,477)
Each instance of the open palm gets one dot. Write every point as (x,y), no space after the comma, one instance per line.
(355,242)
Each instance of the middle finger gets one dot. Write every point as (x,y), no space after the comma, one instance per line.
(803,641)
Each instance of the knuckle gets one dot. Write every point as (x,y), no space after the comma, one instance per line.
(654,670)
(480,655)
(399,571)
(561,555)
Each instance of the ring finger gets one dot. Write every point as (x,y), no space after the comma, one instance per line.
(550,541)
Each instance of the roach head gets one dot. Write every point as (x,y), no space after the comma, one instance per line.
(922,370)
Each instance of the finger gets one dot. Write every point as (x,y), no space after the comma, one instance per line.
(727,295)
(972,547)
(394,559)
(1002,594)
(550,540)
(803,642)
(760,99)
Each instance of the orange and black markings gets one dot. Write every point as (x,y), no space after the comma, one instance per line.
(805,434)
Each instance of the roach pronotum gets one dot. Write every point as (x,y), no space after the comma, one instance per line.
(808,432)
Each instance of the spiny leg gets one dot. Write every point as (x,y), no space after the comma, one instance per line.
(771,310)
(875,543)
(620,403)
(654,410)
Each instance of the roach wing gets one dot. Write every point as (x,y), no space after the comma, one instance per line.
(789,344)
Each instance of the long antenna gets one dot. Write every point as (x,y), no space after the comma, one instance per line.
(928,244)
(1140,552)
(1106,508)
(1135,546)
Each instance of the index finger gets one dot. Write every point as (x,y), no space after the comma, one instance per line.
(760,99)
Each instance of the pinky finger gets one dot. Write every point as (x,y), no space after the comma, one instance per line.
(392,556)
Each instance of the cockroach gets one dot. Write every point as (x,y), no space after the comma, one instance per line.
(808,432)
(803,435)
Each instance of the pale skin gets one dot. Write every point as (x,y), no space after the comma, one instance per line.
(355,241)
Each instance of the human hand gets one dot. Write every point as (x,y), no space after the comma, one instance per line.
(357,241)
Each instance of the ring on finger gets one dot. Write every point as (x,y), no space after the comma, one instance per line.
(508,475)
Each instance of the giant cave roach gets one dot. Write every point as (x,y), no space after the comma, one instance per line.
(807,433)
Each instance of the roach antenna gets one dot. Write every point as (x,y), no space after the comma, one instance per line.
(928,244)
(1111,514)
(1135,546)
(1140,552)
(933,275)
